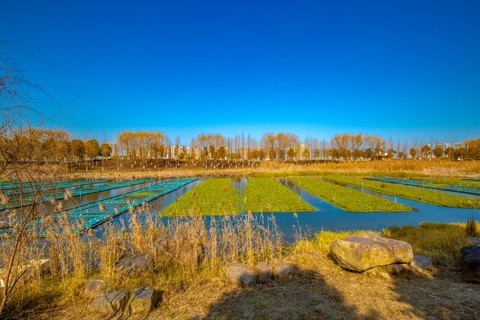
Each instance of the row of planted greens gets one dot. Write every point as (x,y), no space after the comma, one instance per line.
(411,193)
(219,197)
(347,199)
(454,185)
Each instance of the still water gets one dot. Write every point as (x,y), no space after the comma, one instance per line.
(326,216)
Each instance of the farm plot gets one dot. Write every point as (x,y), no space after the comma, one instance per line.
(213,197)
(471,182)
(76,191)
(411,193)
(268,195)
(16,189)
(93,214)
(347,199)
(445,184)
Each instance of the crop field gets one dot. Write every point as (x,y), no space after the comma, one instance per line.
(416,194)
(268,195)
(347,199)
(78,190)
(433,185)
(95,213)
(213,197)
(441,182)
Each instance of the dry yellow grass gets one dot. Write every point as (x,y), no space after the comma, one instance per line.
(436,168)
(197,289)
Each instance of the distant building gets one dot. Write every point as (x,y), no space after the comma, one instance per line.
(114,147)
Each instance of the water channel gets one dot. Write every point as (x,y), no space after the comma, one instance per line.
(326,216)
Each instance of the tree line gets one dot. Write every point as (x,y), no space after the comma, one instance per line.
(40,145)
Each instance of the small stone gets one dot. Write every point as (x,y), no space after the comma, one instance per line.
(241,275)
(110,303)
(284,269)
(144,300)
(475,241)
(264,271)
(421,263)
(133,265)
(471,263)
(397,268)
(93,288)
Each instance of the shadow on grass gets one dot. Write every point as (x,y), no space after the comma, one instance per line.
(328,292)
(42,304)
(303,296)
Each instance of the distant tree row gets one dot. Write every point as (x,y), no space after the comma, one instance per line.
(57,146)
(143,144)
(49,145)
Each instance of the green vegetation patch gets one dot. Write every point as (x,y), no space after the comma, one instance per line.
(444,182)
(442,242)
(347,199)
(411,193)
(213,197)
(268,195)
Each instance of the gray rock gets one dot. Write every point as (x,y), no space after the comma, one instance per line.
(264,271)
(284,269)
(110,303)
(144,300)
(421,263)
(241,275)
(93,288)
(471,263)
(132,265)
(360,253)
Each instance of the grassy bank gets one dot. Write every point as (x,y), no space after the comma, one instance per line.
(268,195)
(211,197)
(189,269)
(416,194)
(347,199)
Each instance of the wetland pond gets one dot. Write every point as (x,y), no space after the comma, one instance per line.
(325,217)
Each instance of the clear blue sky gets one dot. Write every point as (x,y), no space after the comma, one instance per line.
(399,68)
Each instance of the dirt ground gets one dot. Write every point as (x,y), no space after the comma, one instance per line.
(320,291)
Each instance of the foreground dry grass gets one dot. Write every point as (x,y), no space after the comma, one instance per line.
(320,290)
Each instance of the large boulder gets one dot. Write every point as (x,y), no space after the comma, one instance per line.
(133,265)
(93,288)
(144,300)
(241,275)
(110,303)
(471,263)
(363,252)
